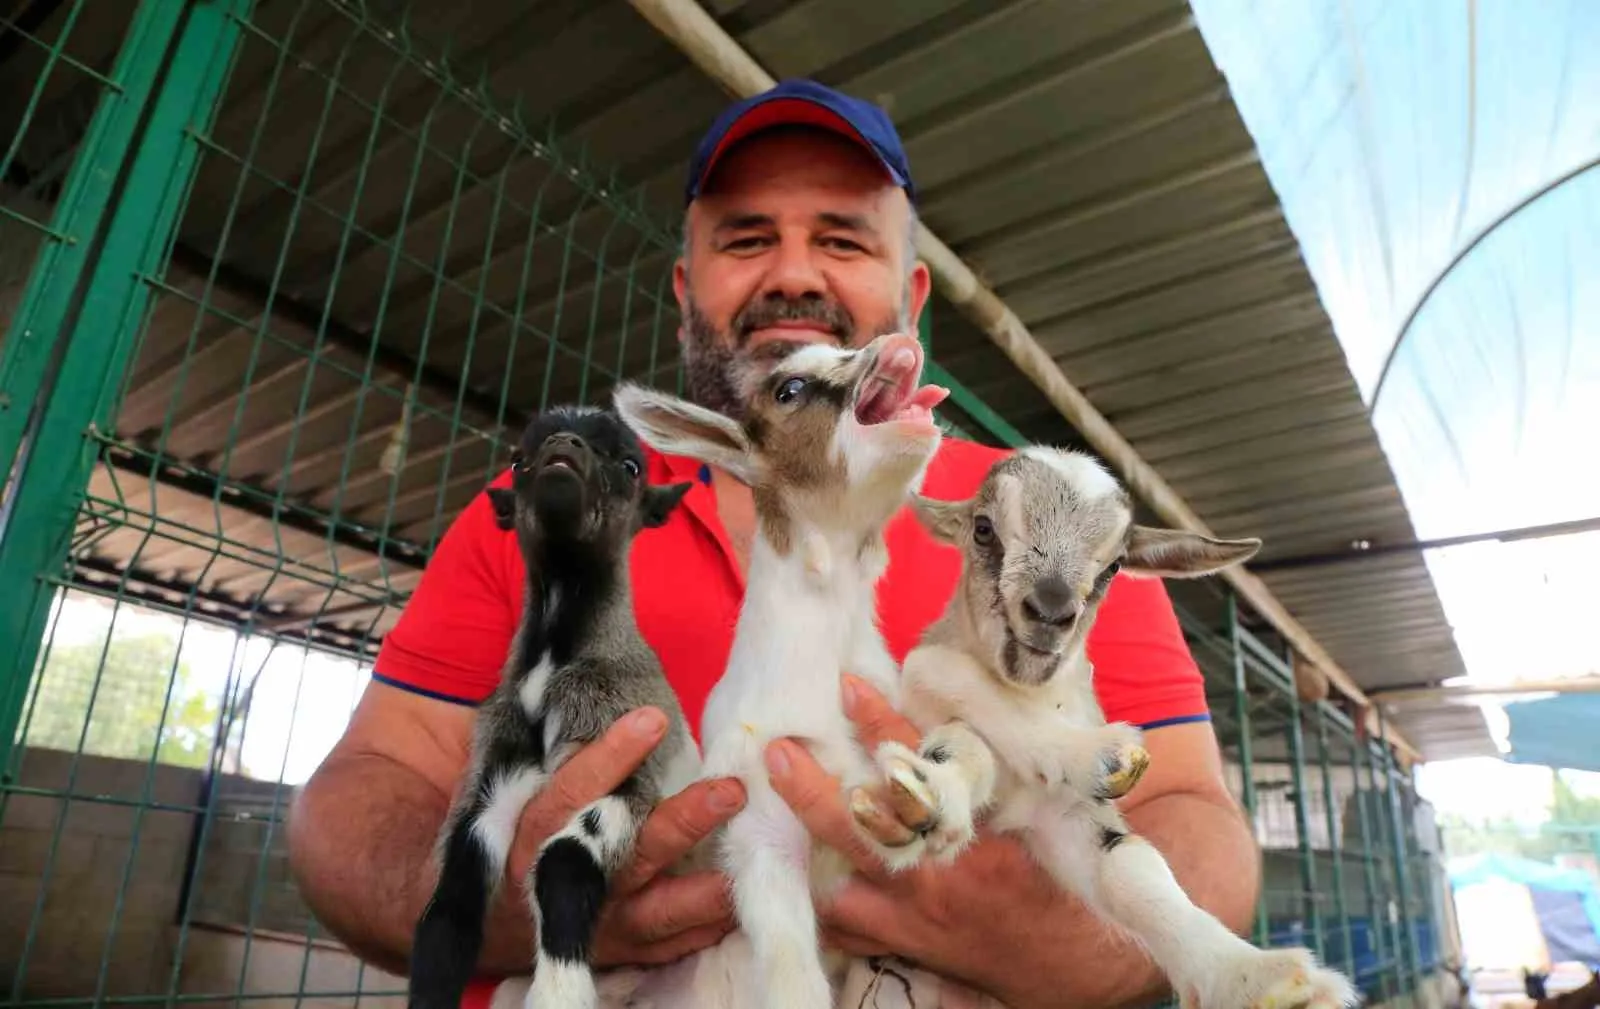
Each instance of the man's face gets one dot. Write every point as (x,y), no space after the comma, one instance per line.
(800,237)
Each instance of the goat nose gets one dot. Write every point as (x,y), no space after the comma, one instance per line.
(1052,602)
(565,437)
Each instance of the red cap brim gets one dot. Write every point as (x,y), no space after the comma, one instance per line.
(787,112)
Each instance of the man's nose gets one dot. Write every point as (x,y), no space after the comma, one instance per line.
(794,273)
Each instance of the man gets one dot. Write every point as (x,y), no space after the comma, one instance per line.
(798,227)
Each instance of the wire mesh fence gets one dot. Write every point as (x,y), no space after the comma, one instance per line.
(276,281)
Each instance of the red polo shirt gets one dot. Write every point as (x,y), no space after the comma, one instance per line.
(452,639)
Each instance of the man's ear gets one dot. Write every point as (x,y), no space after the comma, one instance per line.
(1175,553)
(504,502)
(944,520)
(659,501)
(677,427)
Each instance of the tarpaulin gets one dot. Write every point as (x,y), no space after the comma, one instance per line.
(1437,163)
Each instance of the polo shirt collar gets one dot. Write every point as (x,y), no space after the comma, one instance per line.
(700,502)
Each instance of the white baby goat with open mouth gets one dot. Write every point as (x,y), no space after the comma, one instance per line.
(832,443)
(1001,688)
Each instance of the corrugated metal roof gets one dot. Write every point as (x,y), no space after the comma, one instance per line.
(1083,156)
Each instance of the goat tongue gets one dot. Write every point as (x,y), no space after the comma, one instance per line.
(892,392)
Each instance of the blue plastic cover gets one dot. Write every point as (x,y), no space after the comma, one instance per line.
(1437,164)
(1578,934)
(1559,731)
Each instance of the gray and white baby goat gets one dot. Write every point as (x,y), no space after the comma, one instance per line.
(576,665)
(1001,687)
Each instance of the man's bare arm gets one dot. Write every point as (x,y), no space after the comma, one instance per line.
(1213,855)
(363,829)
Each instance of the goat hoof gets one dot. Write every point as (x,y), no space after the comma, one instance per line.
(911,798)
(1132,762)
(879,823)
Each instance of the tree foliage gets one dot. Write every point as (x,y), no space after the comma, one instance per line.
(128,686)
(1572,827)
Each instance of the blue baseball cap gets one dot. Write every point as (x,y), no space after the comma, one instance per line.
(799,101)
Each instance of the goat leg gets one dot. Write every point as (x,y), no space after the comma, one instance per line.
(1092,852)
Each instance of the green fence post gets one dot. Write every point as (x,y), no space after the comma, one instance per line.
(88,304)
(1384,849)
(1241,710)
(48,304)
(1377,920)
(1302,817)
(1335,841)
(1398,831)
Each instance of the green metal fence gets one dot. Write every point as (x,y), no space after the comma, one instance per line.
(276,279)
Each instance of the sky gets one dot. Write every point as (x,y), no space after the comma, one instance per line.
(1437,165)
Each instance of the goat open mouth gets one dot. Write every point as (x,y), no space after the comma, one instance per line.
(561,457)
(891,393)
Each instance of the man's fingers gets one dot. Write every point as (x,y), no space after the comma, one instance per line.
(683,944)
(676,825)
(862,916)
(674,904)
(875,718)
(600,766)
(848,942)
(816,799)
(595,770)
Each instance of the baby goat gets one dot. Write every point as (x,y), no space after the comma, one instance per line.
(576,665)
(832,443)
(1001,686)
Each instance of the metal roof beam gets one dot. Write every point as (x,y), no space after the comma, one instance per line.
(1362,550)
(696,33)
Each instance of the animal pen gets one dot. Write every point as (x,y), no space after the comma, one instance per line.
(279,282)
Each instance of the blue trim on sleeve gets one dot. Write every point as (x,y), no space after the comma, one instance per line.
(1180,720)
(434,694)
(705,474)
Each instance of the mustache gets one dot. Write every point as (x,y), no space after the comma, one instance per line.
(764,312)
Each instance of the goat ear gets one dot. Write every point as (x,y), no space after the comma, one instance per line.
(677,427)
(944,520)
(504,502)
(1175,553)
(658,503)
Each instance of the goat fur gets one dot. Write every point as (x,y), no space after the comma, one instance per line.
(1001,688)
(576,665)
(825,485)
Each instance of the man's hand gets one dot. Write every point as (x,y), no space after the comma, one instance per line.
(994,920)
(954,920)
(650,916)
(362,836)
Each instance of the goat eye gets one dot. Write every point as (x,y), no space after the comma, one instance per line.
(1108,573)
(518,463)
(790,389)
(632,468)
(982,530)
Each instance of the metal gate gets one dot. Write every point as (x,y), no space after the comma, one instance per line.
(276,280)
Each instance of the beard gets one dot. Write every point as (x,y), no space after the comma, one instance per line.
(714,360)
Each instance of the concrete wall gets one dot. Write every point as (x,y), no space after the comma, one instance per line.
(113,903)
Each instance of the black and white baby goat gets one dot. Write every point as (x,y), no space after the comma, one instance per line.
(1001,687)
(576,665)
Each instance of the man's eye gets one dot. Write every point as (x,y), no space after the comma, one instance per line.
(790,389)
(632,467)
